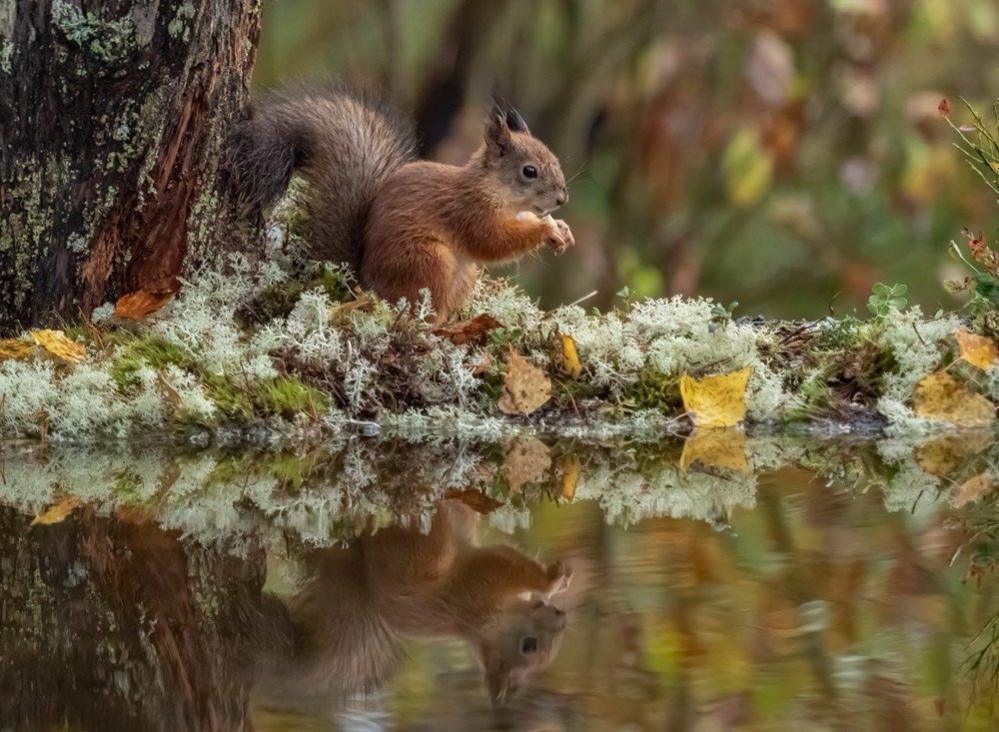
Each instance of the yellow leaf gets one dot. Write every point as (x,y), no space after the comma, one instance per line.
(570,477)
(15,349)
(56,343)
(943,398)
(57,513)
(977,350)
(716,401)
(527,462)
(571,365)
(525,388)
(717,448)
(748,168)
(973,489)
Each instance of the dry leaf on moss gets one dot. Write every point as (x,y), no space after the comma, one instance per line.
(57,513)
(571,365)
(139,304)
(943,398)
(717,448)
(56,343)
(527,461)
(467,331)
(977,350)
(525,388)
(716,401)
(15,349)
(973,489)
(570,477)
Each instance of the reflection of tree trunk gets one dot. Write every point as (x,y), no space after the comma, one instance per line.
(114,625)
(112,116)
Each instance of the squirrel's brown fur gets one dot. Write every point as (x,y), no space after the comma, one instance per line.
(403,225)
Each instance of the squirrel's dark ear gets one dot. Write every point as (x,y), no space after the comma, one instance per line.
(497,132)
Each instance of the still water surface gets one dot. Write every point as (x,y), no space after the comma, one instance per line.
(524,585)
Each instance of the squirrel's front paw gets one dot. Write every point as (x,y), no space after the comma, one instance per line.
(560,575)
(560,237)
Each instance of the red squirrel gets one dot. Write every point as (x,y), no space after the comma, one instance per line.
(403,224)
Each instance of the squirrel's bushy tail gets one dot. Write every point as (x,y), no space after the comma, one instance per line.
(343,141)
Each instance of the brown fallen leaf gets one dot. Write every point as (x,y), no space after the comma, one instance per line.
(139,305)
(363,302)
(527,461)
(526,387)
(57,512)
(56,343)
(716,401)
(571,365)
(570,477)
(977,350)
(15,349)
(973,489)
(715,448)
(467,331)
(943,398)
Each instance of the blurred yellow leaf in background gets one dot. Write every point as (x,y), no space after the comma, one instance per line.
(748,169)
(56,343)
(943,398)
(716,401)
(977,350)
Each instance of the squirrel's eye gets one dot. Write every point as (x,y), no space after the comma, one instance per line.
(530,172)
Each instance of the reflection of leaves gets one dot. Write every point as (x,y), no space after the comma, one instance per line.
(525,388)
(977,350)
(570,477)
(56,343)
(944,455)
(56,513)
(943,398)
(973,489)
(15,349)
(476,500)
(716,401)
(884,299)
(717,448)
(527,461)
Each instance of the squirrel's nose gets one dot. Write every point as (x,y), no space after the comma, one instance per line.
(562,197)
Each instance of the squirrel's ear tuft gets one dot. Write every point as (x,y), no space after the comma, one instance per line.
(497,132)
(514,121)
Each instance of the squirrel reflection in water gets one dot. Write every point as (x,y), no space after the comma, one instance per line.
(342,633)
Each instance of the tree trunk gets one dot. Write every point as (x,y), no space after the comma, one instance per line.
(112,121)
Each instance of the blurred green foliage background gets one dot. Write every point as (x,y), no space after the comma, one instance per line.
(787,154)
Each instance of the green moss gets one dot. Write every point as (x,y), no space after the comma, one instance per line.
(287,396)
(232,400)
(153,352)
(655,390)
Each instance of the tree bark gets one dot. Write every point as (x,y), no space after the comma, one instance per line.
(112,122)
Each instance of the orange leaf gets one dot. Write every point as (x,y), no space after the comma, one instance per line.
(57,513)
(467,331)
(139,305)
